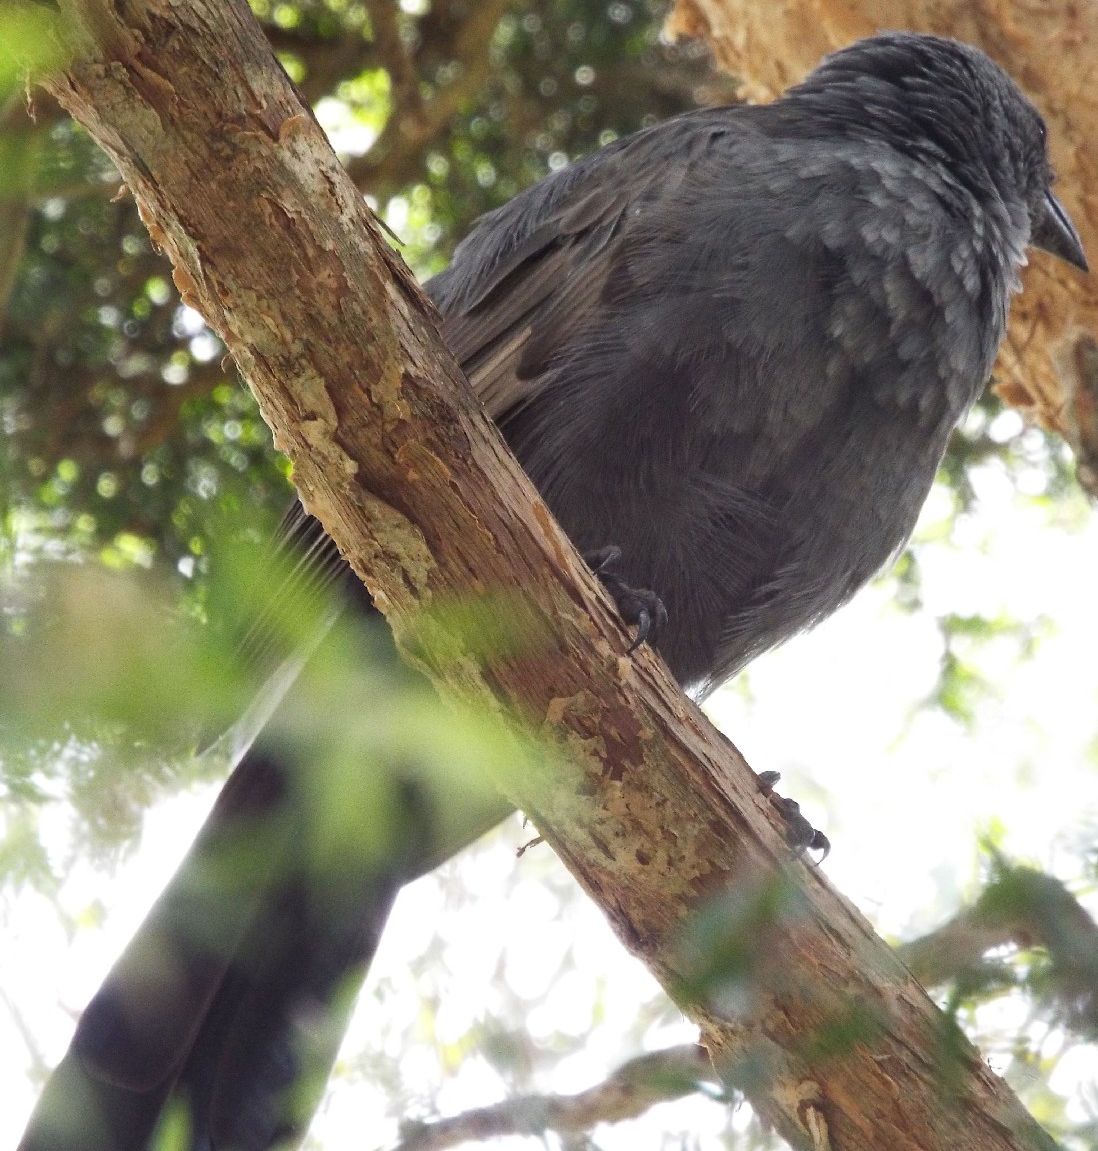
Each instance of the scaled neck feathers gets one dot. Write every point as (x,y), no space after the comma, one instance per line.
(943,104)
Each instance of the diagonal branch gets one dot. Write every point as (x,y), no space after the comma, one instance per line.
(327,59)
(404,82)
(628,1092)
(1027,909)
(801,1006)
(415,123)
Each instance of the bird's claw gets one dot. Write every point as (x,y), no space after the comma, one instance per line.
(650,620)
(799,833)
(637,606)
(602,560)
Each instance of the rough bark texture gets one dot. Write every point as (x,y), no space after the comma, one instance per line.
(654,811)
(1048,366)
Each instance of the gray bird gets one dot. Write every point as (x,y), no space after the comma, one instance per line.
(729,350)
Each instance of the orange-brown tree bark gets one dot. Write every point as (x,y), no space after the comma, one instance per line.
(649,807)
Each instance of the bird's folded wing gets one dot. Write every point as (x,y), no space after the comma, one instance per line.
(531,274)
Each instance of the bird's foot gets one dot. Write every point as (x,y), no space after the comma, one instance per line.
(637,606)
(799,833)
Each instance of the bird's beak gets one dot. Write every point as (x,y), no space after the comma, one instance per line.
(1055,233)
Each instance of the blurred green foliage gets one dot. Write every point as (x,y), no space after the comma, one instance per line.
(28,45)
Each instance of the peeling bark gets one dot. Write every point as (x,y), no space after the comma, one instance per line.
(1048,365)
(654,812)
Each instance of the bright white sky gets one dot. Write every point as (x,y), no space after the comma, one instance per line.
(903,795)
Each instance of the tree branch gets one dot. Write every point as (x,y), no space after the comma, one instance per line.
(1028,909)
(403,80)
(801,1006)
(628,1092)
(416,122)
(16,162)
(327,59)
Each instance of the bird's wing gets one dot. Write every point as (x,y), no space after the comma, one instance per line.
(524,280)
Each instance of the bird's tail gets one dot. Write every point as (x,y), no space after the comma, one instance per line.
(226,1010)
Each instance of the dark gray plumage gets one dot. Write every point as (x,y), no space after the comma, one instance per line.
(733,345)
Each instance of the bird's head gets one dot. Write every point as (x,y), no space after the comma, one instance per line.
(950,104)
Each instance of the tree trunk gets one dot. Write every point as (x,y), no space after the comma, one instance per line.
(651,809)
